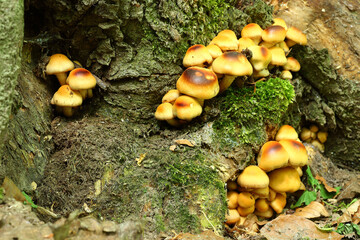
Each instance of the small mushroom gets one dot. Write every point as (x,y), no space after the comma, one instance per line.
(286,132)
(292,65)
(164,111)
(197,55)
(244,43)
(280,22)
(305,134)
(261,57)
(171,96)
(253,177)
(278,57)
(273,35)
(262,205)
(297,152)
(322,136)
(286,74)
(59,65)
(295,36)
(284,180)
(246,211)
(226,40)
(279,202)
(214,50)
(82,80)
(245,199)
(253,31)
(267,214)
(232,216)
(67,99)
(272,155)
(232,199)
(186,108)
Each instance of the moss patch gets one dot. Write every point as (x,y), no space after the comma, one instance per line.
(246,112)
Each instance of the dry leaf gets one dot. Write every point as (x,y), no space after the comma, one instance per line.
(351,212)
(184,142)
(172,147)
(323,181)
(206,235)
(351,189)
(286,227)
(313,210)
(11,190)
(140,159)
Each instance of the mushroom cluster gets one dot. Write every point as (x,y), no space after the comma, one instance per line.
(314,136)
(213,68)
(262,189)
(76,84)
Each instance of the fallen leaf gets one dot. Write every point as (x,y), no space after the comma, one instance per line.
(172,147)
(11,190)
(140,159)
(350,190)
(323,181)
(286,227)
(206,235)
(351,212)
(313,210)
(184,142)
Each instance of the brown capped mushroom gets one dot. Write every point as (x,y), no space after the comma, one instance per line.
(82,80)
(59,65)
(253,31)
(197,55)
(67,99)
(295,36)
(272,155)
(286,132)
(186,108)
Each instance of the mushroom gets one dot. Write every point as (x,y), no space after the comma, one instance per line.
(197,55)
(59,65)
(246,211)
(231,185)
(322,136)
(261,192)
(232,216)
(214,50)
(67,99)
(232,65)
(244,43)
(305,134)
(232,198)
(261,57)
(186,108)
(279,202)
(171,96)
(262,73)
(164,111)
(280,22)
(286,132)
(272,195)
(226,40)
(297,152)
(295,36)
(318,145)
(198,82)
(272,155)
(286,74)
(284,180)
(253,177)
(262,205)
(278,57)
(245,200)
(273,35)
(292,65)
(253,31)
(267,214)
(82,80)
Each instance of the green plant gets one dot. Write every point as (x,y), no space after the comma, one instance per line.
(308,196)
(29,200)
(348,228)
(245,112)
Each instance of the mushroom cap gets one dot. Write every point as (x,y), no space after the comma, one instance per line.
(80,79)
(198,82)
(292,64)
(283,46)
(267,214)
(261,192)
(272,155)
(227,32)
(214,50)
(66,97)
(253,31)
(278,57)
(232,63)
(262,205)
(186,108)
(197,55)
(164,111)
(262,73)
(298,156)
(232,216)
(225,42)
(274,34)
(231,185)
(284,180)
(245,199)
(296,35)
(246,211)
(305,134)
(232,198)
(278,203)
(253,177)
(171,95)
(244,43)
(286,132)
(286,74)
(59,63)
(280,22)
(322,136)
(261,57)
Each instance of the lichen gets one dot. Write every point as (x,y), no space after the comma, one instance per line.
(245,112)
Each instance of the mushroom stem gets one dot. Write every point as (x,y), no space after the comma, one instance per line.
(226,82)
(58,109)
(61,77)
(89,93)
(83,93)
(68,111)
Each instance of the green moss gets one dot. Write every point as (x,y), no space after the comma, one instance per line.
(175,190)
(245,113)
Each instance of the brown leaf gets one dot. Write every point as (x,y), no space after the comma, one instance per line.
(286,227)
(11,190)
(172,147)
(323,181)
(206,235)
(351,213)
(313,210)
(184,142)
(351,189)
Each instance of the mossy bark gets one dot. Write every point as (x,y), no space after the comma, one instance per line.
(11,38)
